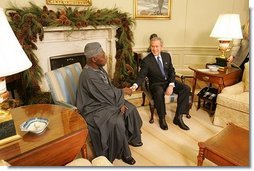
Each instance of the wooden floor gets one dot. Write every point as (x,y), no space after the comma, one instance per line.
(173,147)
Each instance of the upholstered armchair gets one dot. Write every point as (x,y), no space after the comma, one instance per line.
(63,83)
(146,92)
(233,103)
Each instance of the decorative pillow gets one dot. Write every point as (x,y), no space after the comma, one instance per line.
(245,78)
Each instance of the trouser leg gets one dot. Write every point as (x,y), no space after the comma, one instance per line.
(159,100)
(183,92)
(158,92)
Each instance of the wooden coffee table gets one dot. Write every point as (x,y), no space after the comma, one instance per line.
(230,147)
(64,138)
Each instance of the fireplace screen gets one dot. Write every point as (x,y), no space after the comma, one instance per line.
(67,59)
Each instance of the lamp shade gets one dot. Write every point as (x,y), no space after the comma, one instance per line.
(227,27)
(13,59)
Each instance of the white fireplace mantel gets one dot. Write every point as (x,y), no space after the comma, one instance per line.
(65,40)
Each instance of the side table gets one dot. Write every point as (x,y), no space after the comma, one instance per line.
(63,139)
(222,79)
(230,147)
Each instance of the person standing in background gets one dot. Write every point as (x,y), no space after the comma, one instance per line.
(151,36)
(240,50)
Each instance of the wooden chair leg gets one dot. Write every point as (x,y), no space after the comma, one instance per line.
(199,101)
(188,115)
(152,113)
(144,98)
(190,105)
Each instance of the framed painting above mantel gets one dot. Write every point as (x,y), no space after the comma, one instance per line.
(152,9)
(70,2)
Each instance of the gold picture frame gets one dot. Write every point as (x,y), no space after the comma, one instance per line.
(152,9)
(70,2)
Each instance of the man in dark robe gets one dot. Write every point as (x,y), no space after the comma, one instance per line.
(113,122)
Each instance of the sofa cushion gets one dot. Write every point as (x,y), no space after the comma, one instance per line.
(237,88)
(79,162)
(238,102)
(246,77)
(101,161)
(98,161)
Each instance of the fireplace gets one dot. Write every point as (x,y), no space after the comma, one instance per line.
(62,44)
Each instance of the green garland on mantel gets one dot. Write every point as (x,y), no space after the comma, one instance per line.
(28,23)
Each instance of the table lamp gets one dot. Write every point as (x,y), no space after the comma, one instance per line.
(226,28)
(13,60)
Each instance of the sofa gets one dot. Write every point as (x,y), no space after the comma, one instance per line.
(233,103)
(168,99)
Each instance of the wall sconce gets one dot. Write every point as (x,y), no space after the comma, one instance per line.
(13,60)
(226,28)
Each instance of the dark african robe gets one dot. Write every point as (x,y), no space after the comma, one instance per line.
(99,103)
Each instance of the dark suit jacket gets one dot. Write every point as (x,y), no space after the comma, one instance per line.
(151,69)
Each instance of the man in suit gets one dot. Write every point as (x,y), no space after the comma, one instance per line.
(162,81)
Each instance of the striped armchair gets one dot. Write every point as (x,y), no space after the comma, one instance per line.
(63,83)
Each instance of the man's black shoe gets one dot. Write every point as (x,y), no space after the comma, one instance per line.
(178,120)
(136,144)
(163,123)
(129,160)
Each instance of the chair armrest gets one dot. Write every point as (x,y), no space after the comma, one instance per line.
(62,103)
(234,89)
(145,84)
(183,76)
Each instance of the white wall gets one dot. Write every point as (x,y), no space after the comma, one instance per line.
(186,33)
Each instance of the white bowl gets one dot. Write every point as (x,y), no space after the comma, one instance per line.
(34,125)
(213,68)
